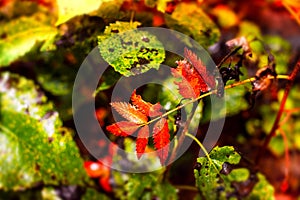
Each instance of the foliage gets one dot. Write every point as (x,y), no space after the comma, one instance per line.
(19,37)
(195,79)
(43,43)
(137,115)
(126,51)
(189,19)
(145,186)
(217,179)
(35,147)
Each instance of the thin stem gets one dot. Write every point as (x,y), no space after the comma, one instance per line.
(203,149)
(186,187)
(249,80)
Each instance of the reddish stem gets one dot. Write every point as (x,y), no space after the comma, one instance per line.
(280,112)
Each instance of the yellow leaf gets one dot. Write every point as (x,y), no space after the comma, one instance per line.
(69,9)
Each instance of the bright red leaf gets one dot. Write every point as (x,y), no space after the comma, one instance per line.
(195,78)
(137,115)
(161,138)
(142,141)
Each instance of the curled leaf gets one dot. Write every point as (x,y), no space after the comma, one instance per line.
(145,107)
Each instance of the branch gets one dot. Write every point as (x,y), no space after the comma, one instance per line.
(280,111)
(249,80)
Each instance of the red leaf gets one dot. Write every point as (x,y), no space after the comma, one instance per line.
(129,112)
(145,107)
(161,138)
(206,76)
(189,86)
(123,128)
(195,77)
(142,141)
(104,182)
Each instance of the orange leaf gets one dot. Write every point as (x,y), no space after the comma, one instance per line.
(129,112)
(195,77)
(145,107)
(206,76)
(142,141)
(161,138)
(123,128)
(189,86)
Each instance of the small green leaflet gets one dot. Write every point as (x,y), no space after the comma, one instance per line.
(130,52)
(224,183)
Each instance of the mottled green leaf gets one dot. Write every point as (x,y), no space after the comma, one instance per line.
(132,52)
(190,19)
(35,148)
(216,179)
(262,189)
(207,177)
(19,36)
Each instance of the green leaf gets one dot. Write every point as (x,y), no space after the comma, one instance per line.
(250,30)
(132,52)
(281,50)
(138,183)
(165,191)
(190,19)
(223,182)
(35,148)
(92,194)
(207,178)
(262,189)
(20,35)
(146,186)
